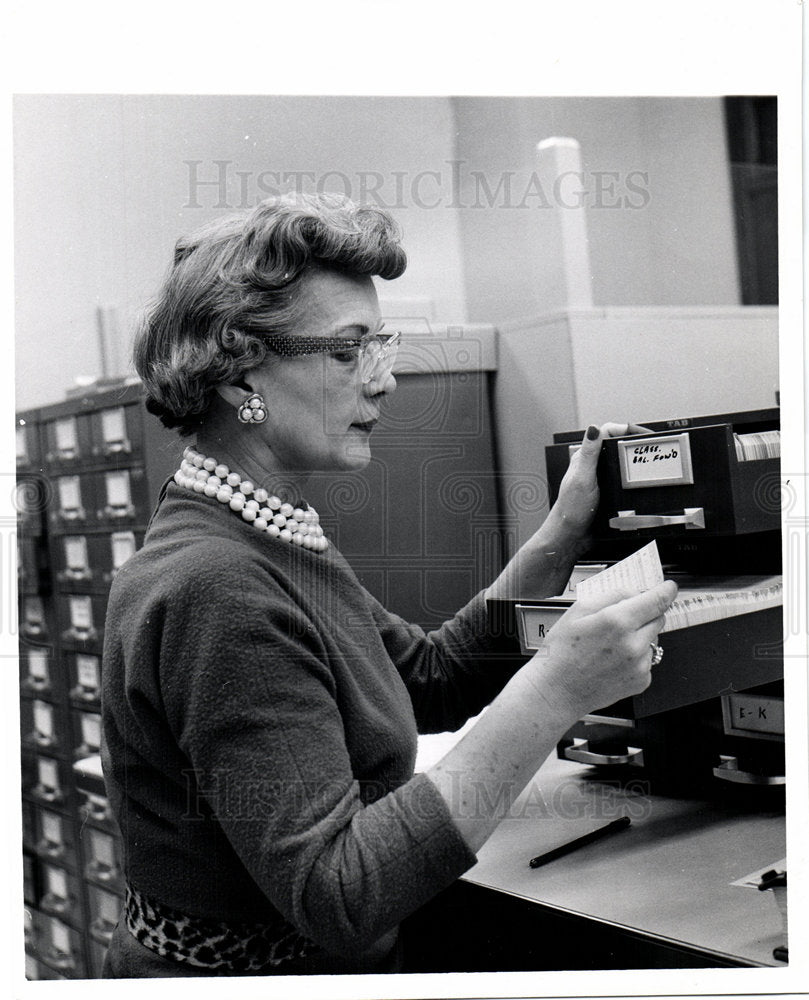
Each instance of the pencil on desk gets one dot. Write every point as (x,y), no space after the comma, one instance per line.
(573,845)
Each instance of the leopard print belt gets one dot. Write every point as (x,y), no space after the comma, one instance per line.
(223,948)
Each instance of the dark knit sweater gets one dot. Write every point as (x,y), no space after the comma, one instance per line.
(260,713)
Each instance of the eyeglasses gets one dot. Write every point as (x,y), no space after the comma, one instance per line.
(375,352)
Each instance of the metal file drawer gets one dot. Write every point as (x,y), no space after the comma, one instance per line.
(102,858)
(88,561)
(61,894)
(36,619)
(72,506)
(48,780)
(94,807)
(40,675)
(45,726)
(67,441)
(60,947)
(83,673)
(117,433)
(105,909)
(700,662)
(81,620)
(86,733)
(27,441)
(97,952)
(55,839)
(674,470)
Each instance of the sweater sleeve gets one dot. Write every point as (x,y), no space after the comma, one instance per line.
(453,672)
(252,703)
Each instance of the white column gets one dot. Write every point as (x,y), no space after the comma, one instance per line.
(564,279)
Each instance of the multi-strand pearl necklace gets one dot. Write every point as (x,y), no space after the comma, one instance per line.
(257,506)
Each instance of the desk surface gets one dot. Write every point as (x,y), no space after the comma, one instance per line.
(668,876)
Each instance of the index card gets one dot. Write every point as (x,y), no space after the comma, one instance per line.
(639,572)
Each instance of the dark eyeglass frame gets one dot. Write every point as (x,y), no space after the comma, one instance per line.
(292,346)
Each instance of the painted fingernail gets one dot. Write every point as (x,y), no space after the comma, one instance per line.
(592,432)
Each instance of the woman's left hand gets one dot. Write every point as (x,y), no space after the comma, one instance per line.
(542,566)
(578,491)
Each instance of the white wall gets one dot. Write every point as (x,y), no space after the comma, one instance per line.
(656,193)
(104,186)
(103,189)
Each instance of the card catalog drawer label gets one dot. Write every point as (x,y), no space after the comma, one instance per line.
(123,547)
(65,431)
(754,713)
(88,672)
(38,666)
(91,731)
(43,719)
(534,623)
(69,494)
(113,425)
(52,828)
(118,491)
(76,552)
(660,461)
(81,613)
(57,882)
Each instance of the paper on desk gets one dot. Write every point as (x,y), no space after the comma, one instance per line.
(639,572)
(752,880)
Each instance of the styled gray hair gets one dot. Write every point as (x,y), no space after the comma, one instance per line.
(237,279)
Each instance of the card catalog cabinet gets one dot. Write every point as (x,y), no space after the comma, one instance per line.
(88,471)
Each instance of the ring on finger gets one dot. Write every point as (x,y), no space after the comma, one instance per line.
(657,653)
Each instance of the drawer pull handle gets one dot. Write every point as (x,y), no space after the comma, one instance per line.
(729,770)
(582,754)
(628,520)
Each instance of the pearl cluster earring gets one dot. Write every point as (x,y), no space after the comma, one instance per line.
(265,511)
(253,410)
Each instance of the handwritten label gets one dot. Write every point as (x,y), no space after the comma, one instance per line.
(660,461)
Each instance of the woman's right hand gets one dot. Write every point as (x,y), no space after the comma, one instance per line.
(597,653)
(600,650)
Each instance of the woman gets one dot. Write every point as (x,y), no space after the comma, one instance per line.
(260,707)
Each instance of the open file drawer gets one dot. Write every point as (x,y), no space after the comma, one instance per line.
(684,480)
